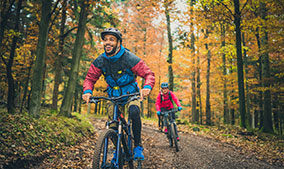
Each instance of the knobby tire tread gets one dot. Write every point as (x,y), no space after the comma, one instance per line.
(99,146)
(173,128)
(169,135)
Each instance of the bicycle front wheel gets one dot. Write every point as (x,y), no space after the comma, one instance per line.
(104,149)
(174,137)
(169,135)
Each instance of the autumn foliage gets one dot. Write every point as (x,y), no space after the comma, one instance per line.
(202,32)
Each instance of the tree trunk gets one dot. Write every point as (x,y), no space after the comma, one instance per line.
(11,85)
(142,103)
(242,102)
(77,52)
(260,100)
(40,59)
(143,80)
(198,86)
(225,92)
(248,115)
(4,15)
(58,62)
(232,97)
(43,88)
(193,84)
(275,111)
(75,103)
(170,56)
(26,87)
(208,105)
(80,101)
(267,120)
(193,73)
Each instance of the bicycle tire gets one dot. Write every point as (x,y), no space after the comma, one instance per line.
(111,135)
(139,164)
(169,135)
(130,163)
(173,128)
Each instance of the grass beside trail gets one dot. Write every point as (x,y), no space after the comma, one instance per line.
(25,138)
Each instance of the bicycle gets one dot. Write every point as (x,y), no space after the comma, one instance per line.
(116,142)
(172,128)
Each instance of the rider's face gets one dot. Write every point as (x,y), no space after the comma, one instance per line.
(110,43)
(165,90)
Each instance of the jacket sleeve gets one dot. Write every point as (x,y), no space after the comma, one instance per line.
(175,99)
(92,76)
(158,102)
(142,70)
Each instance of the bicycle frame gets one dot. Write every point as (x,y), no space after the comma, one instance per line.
(123,130)
(168,115)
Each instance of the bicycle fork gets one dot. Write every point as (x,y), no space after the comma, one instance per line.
(118,147)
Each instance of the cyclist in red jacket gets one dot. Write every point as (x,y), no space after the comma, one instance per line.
(164,102)
(120,67)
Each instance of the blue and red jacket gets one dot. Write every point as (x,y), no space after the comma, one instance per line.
(120,73)
(165,101)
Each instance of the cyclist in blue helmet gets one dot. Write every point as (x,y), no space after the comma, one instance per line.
(164,102)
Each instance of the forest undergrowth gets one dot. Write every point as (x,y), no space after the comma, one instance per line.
(26,140)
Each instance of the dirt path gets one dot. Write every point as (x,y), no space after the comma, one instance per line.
(195,152)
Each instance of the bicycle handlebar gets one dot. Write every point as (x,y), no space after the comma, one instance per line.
(170,111)
(95,99)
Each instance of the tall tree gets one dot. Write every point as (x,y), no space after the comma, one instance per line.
(4,15)
(248,116)
(198,86)
(225,92)
(208,105)
(40,59)
(167,4)
(195,116)
(58,63)
(260,100)
(237,21)
(11,85)
(267,121)
(76,56)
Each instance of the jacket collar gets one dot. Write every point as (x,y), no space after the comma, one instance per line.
(115,57)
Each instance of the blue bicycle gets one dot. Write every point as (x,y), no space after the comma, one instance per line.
(114,147)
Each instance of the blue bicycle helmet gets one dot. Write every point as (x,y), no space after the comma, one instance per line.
(164,85)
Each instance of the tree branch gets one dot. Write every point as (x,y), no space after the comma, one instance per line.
(244,6)
(53,11)
(4,60)
(70,30)
(226,7)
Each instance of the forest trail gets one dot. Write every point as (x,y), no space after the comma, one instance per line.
(195,152)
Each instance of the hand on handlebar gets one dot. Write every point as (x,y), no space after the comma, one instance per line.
(158,113)
(144,92)
(86,97)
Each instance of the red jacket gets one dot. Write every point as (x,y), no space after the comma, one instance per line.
(136,65)
(166,101)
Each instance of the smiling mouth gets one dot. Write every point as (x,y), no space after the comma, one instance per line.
(108,47)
